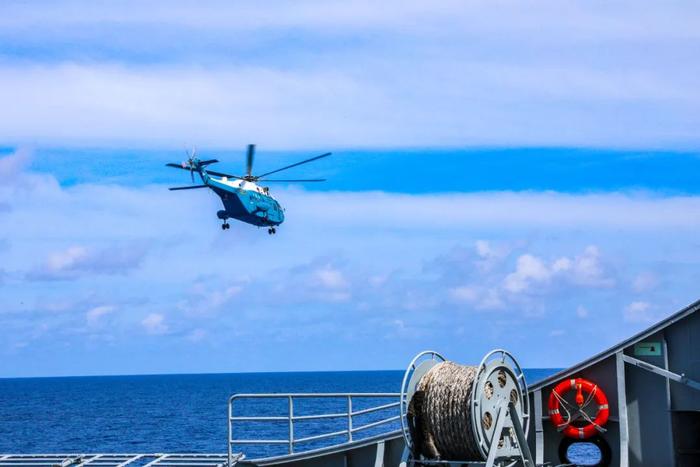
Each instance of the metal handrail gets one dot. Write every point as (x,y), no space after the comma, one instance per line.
(291,418)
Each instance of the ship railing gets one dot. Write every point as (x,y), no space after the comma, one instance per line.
(348,433)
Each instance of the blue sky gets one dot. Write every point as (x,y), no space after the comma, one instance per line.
(503,176)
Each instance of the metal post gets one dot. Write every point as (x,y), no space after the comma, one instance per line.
(291,425)
(668,391)
(230,432)
(349,418)
(539,429)
(622,408)
(379,455)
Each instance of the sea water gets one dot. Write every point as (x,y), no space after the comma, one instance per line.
(173,413)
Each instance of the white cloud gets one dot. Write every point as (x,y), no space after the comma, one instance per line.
(596,212)
(464,293)
(645,281)
(585,18)
(399,329)
(638,312)
(481,297)
(330,277)
(114,105)
(430,262)
(66,259)
(489,255)
(529,271)
(527,287)
(483,249)
(321,280)
(366,74)
(209,299)
(14,164)
(197,335)
(154,323)
(77,260)
(94,315)
(582,311)
(585,269)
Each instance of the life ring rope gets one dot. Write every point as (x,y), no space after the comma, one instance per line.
(579,412)
(573,413)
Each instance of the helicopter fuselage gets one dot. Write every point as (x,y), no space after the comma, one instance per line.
(243,198)
(245,201)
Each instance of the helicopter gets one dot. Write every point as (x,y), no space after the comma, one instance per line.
(243,198)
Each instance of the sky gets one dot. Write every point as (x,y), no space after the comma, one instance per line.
(503,175)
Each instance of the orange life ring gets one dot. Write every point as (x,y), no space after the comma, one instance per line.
(579,385)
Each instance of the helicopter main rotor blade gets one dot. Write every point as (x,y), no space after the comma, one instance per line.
(221,174)
(177,166)
(291,181)
(294,165)
(249,159)
(210,172)
(175,188)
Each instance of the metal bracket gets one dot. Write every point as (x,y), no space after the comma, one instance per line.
(508,418)
(662,372)
(505,454)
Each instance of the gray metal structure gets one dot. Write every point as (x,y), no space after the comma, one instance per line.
(652,381)
(116,460)
(289,418)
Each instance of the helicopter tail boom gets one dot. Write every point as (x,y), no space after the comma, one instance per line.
(191,187)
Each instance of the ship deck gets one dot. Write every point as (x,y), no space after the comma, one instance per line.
(116,460)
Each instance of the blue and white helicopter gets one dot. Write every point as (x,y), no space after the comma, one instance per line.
(244,199)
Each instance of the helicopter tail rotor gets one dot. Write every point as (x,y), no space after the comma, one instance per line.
(192,162)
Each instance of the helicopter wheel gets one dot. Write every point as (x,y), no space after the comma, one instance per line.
(225,226)
(271,231)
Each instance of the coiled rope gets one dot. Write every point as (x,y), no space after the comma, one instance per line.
(438,414)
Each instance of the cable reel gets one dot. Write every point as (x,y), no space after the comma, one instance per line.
(451,412)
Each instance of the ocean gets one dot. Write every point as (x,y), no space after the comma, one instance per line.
(164,413)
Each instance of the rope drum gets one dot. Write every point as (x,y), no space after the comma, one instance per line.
(439,416)
(449,411)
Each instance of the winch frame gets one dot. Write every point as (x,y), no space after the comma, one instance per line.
(418,367)
(494,362)
(506,444)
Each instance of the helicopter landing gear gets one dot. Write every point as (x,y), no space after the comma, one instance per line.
(271,231)
(224,217)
